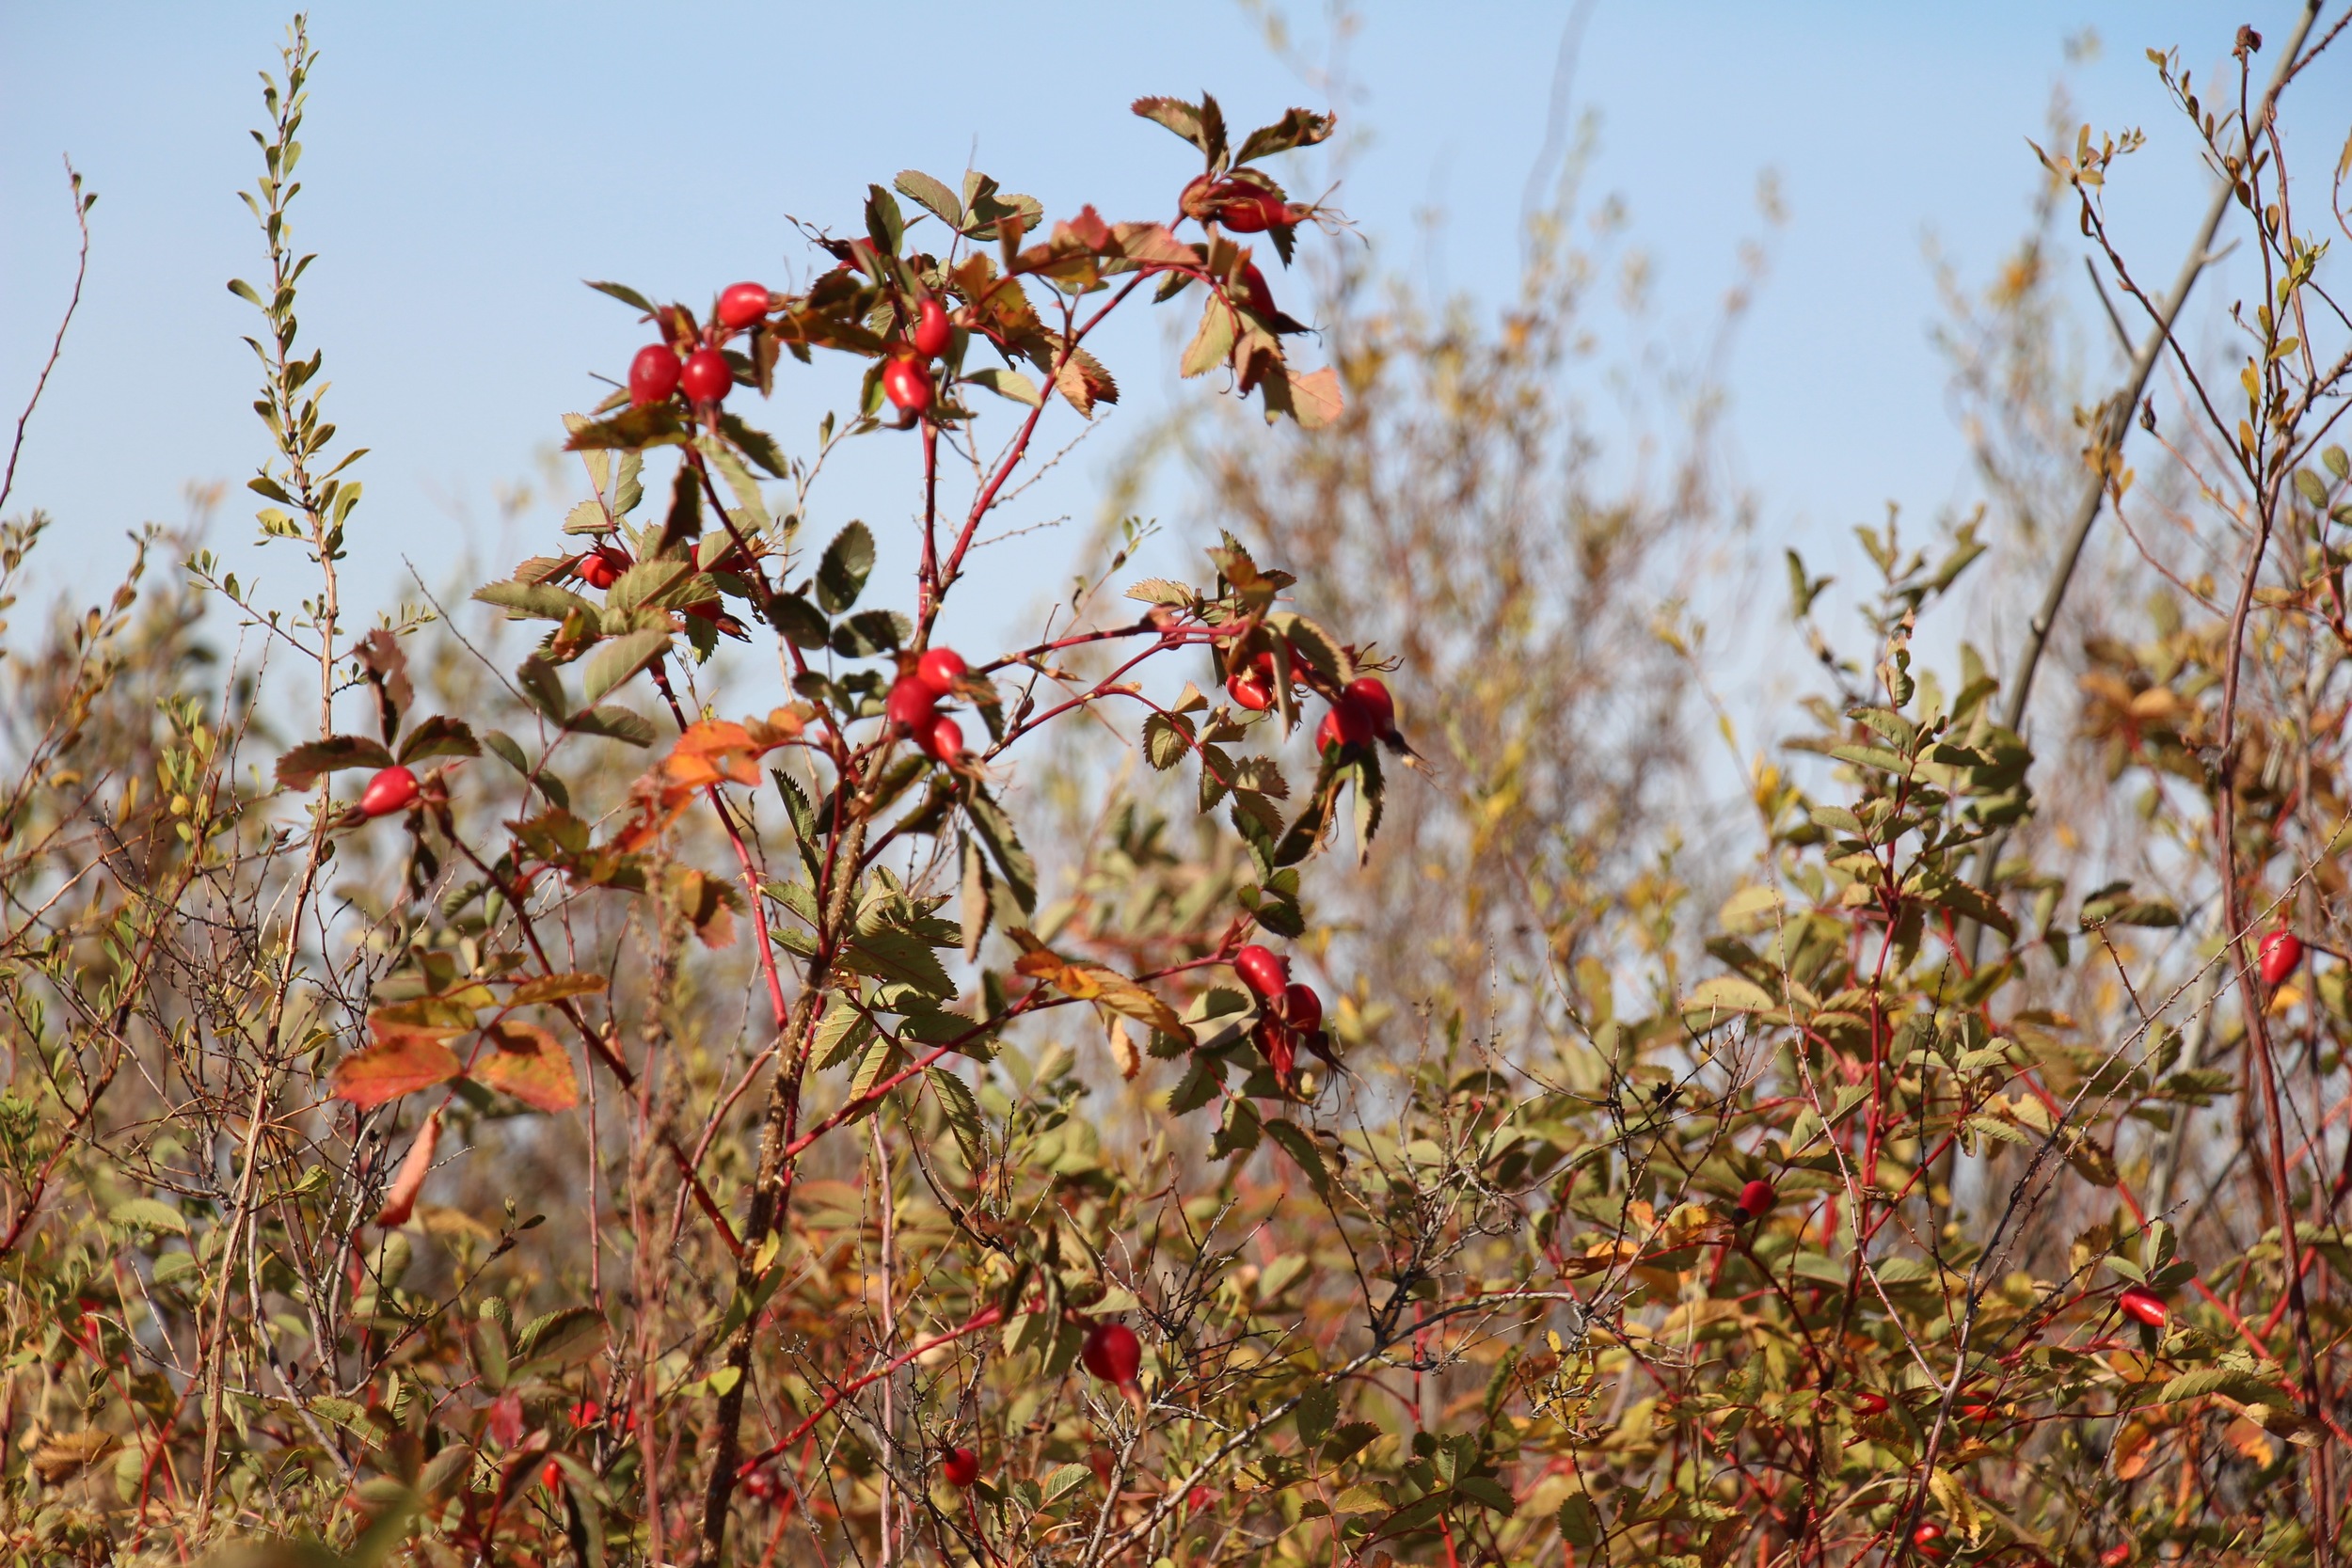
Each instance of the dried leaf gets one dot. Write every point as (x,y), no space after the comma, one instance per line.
(400,1061)
(528,1064)
(400,1200)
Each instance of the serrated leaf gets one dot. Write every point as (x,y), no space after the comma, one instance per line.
(1161,591)
(900,958)
(937,198)
(617,660)
(567,1334)
(1212,340)
(303,767)
(533,601)
(147,1213)
(439,737)
(626,294)
(1004,846)
(1167,740)
(872,633)
(800,621)
(847,561)
(1728,993)
(963,1115)
(2233,1382)
(1297,128)
(612,723)
(651,424)
(400,1061)
(1008,383)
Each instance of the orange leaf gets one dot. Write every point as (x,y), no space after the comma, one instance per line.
(401,1199)
(399,1062)
(528,1064)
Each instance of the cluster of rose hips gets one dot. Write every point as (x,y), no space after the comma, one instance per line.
(1293,1014)
(657,375)
(1241,206)
(906,380)
(1364,712)
(912,707)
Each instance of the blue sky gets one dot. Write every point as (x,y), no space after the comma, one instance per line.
(465,164)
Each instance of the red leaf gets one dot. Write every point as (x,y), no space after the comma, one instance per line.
(401,1200)
(399,1062)
(528,1064)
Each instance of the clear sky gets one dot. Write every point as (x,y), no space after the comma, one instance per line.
(465,164)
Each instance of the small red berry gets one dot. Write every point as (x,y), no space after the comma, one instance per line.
(1870,1404)
(1250,682)
(2282,951)
(602,566)
(1199,1498)
(551,1474)
(1302,1009)
(2116,1555)
(1927,1535)
(1371,693)
(761,1483)
(1977,1412)
(939,669)
(2139,1302)
(907,385)
(1112,1353)
(742,304)
(932,331)
(1756,1199)
(1347,724)
(1262,970)
(943,740)
(705,377)
(1244,209)
(393,790)
(652,375)
(587,1412)
(960,1466)
(911,705)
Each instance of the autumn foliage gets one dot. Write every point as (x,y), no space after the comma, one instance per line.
(1254,1074)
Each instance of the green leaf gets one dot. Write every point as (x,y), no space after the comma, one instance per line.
(544,685)
(937,198)
(847,561)
(147,1214)
(1007,381)
(884,223)
(1297,128)
(626,294)
(567,1334)
(303,767)
(872,633)
(439,737)
(1167,740)
(758,445)
(1580,1523)
(1293,1140)
(653,424)
(1212,340)
(2245,1386)
(614,722)
(799,620)
(1728,993)
(1178,115)
(896,956)
(616,660)
(533,601)
(1004,846)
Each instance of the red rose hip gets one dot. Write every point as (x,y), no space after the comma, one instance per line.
(1302,1009)
(705,377)
(1250,682)
(2282,951)
(911,705)
(1346,724)
(742,304)
(2141,1302)
(931,332)
(960,1467)
(1112,1353)
(393,790)
(1756,1199)
(1371,693)
(652,375)
(943,741)
(1262,970)
(1870,1404)
(908,385)
(939,669)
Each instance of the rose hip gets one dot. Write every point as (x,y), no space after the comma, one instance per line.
(393,790)
(931,333)
(942,741)
(1263,970)
(1112,1353)
(907,385)
(939,670)
(912,705)
(742,304)
(705,377)
(960,1467)
(652,375)
(1302,1009)
(2282,951)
